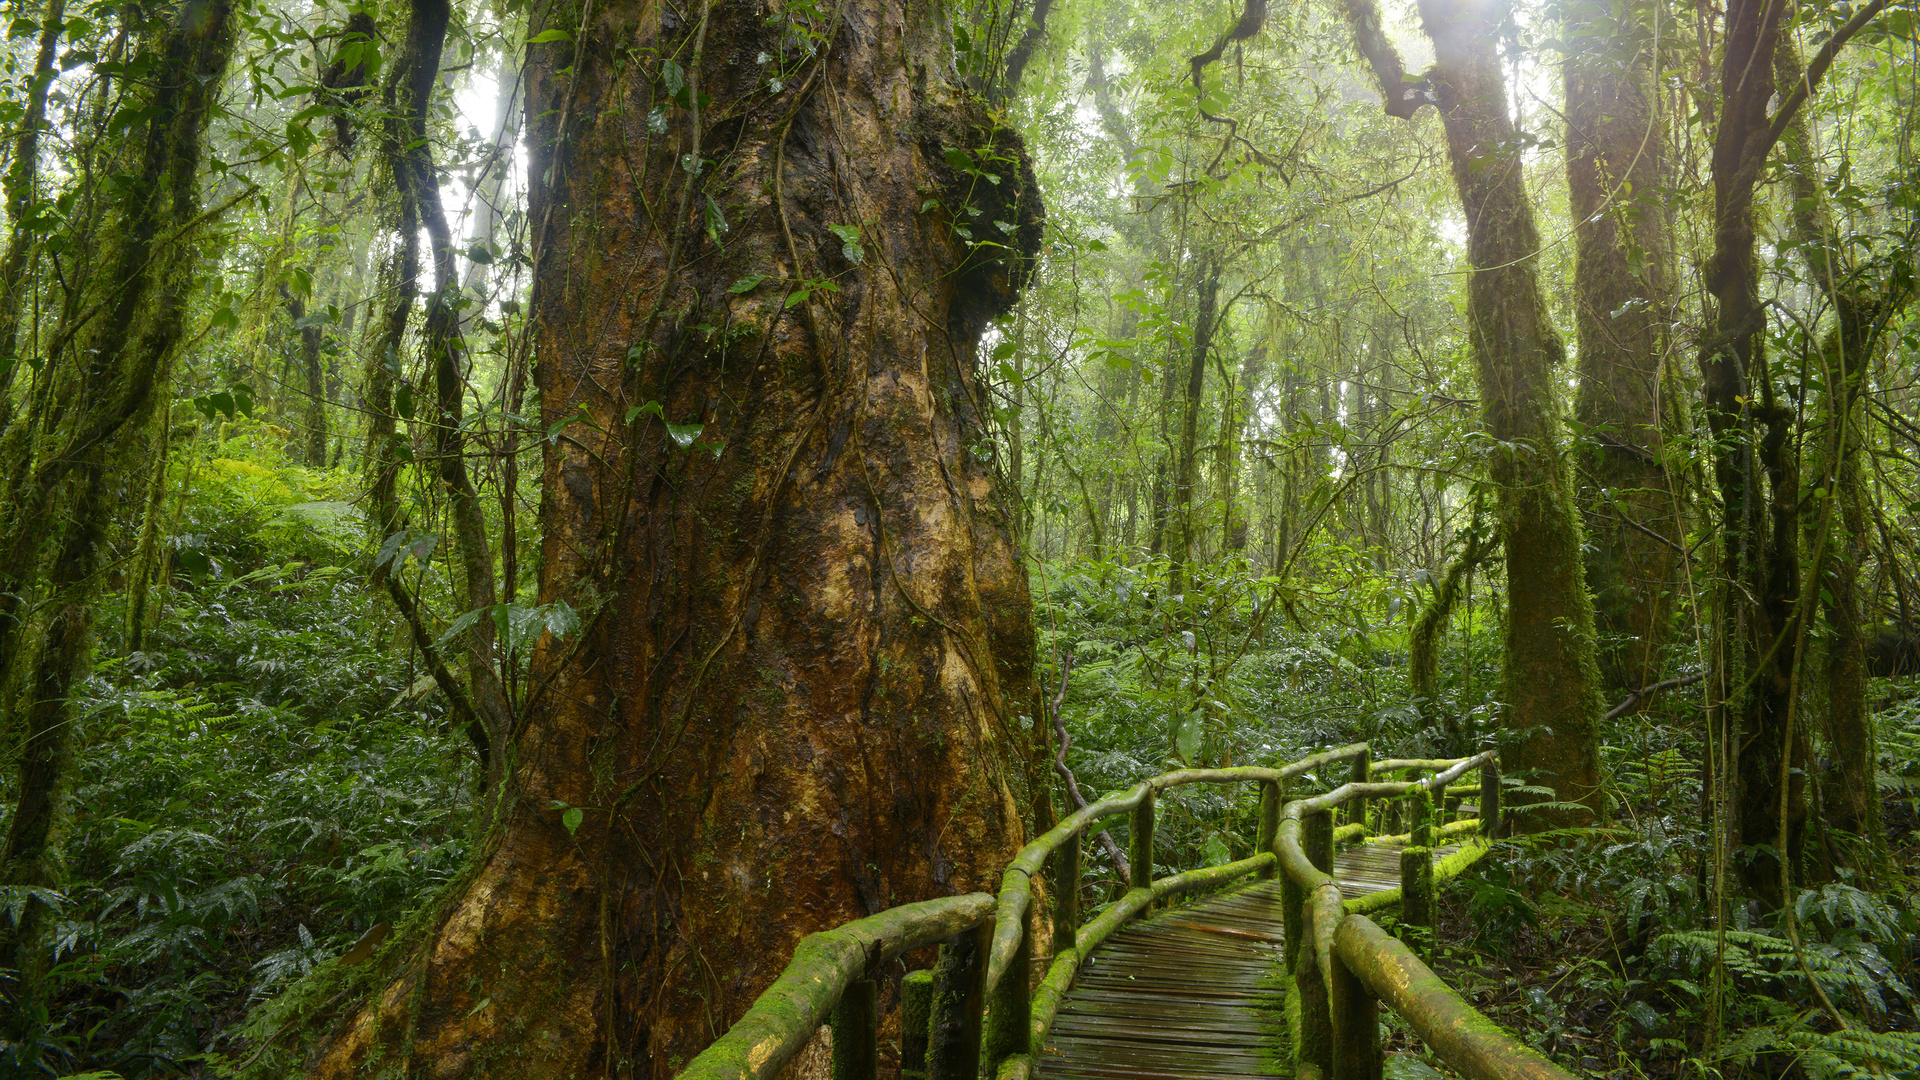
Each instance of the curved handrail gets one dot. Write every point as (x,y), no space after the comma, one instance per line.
(1016,886)
(1459,1033)
(787,1014)
(1357,964)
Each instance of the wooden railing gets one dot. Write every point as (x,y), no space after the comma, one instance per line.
(978,1006)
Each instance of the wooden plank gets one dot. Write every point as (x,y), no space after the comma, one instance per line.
(1192,993)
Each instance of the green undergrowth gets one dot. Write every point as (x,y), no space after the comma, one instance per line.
(253,790)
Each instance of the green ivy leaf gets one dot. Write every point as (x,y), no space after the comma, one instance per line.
(850,243)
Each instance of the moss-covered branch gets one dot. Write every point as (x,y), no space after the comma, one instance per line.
(1423,655)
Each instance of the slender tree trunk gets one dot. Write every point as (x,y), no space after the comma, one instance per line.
(1863,303)
(1423,638)
(415,177)
(1759,550)
(806,625)
(309,338)
(488,192)
(146,558)
(1180,513)
(21,178)
(479,705)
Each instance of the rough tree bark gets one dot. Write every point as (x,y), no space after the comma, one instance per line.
(1615,147)
(1552,680)
(806,628)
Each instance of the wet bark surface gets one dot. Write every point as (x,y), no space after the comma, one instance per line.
(806,647)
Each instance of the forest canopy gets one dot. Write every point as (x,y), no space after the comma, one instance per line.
(513,514)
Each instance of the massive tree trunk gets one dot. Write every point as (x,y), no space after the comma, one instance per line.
(806,634)
(1552,681)
(1615,144)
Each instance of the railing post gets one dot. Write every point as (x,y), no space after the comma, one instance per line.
(1269,821)
(1008,1022)
(1356,1027)
(1421,807)
(1416,899)
(1362,772)
(1392,813)
(1140,843)
(916,1011)
(1451,812)
(856,1033)
(1316,839)
(1490,800)
(1066,894)
(959,997)
(1313,1042)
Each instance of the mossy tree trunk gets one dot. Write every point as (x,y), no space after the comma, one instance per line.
(1864,300)
(307,338)
(1552,680)
(23,173)
(1759,763)
(806,634)
(102,388)
(1181,523)
(1616,150)
(1423,638)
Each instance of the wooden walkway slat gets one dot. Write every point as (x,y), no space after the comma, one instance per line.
(1193,993)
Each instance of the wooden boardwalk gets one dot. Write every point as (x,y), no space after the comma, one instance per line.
(1194,993)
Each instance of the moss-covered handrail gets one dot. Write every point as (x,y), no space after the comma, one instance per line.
(1344,965)
(1016,886)
(783,1018)
(985,938)
(1458,1033)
